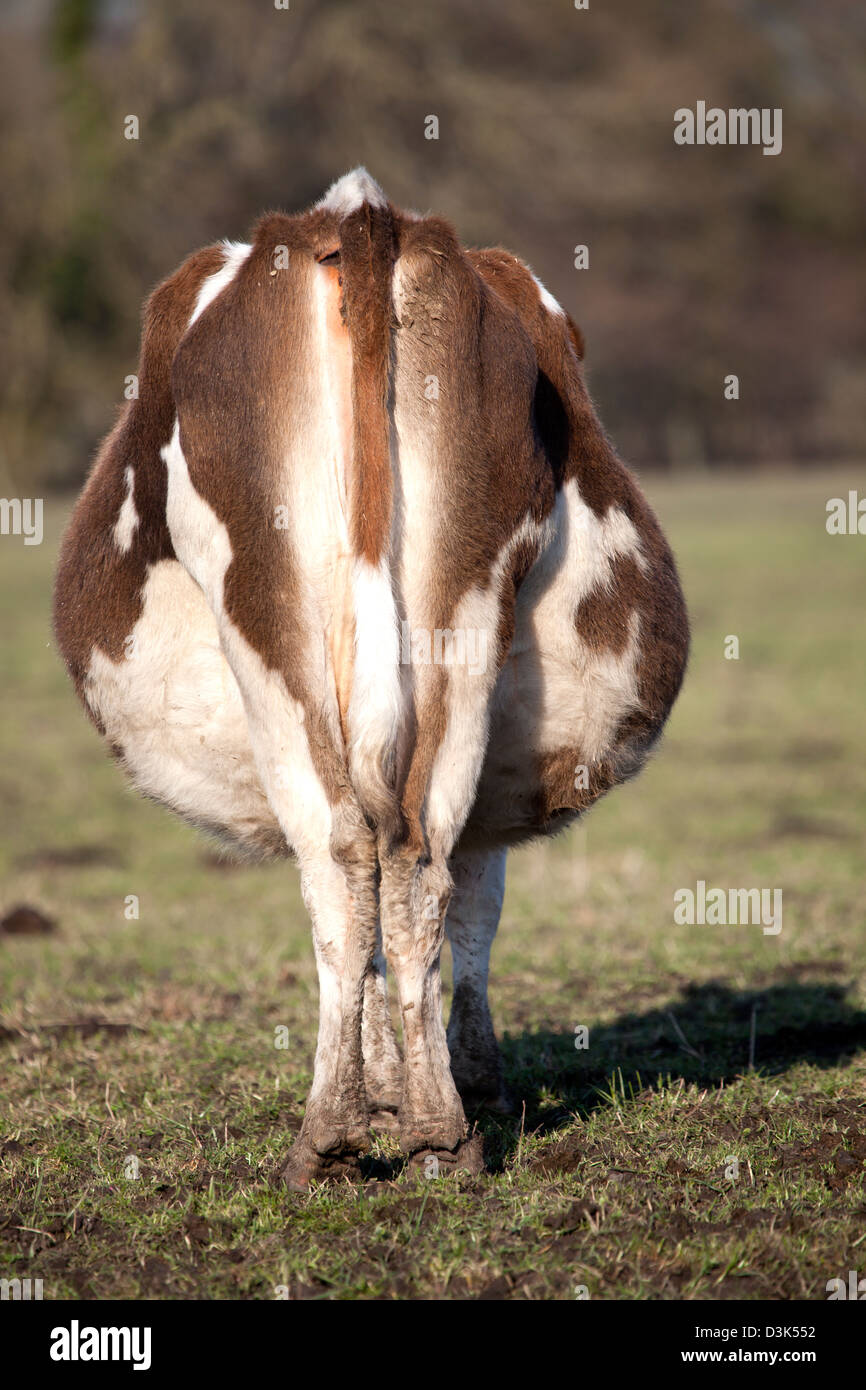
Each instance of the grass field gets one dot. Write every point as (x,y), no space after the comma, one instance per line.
(709,1143)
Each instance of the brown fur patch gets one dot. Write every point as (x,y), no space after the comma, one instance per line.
(569,415)
(98,587)
(367,242)
(480,445)
(491,465)
(578,448)
(237,378)
(602,619)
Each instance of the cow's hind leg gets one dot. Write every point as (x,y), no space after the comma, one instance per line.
(413,899)
(383,1064)
(473,916)
(339,889)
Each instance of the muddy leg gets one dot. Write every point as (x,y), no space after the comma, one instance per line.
(413,898)
(383,1064)
(340,892)
(473,916)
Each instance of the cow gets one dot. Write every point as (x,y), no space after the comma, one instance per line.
(357,578)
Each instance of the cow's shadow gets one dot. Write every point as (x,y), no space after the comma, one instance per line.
(709,1034)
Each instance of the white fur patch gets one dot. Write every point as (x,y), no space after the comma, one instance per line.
(350,192)
(332,435)
(275,721)
(551,304)
(127,520)
(460,755)
(376,706)
(578,559)
(172,704)
(554,690)
(236,253)
(203,539)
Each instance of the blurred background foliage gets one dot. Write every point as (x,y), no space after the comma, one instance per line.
(555,129)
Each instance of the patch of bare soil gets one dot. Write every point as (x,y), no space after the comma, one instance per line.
(24,920)
(73,1028)
(70,857)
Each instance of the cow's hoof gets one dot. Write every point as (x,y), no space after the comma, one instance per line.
(327,1149)
(335,1130)
(435,1132)
(304,1166)
(468,1157)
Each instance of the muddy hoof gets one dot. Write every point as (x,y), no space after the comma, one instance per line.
(436,1131)
(468,1157)
(304,1166)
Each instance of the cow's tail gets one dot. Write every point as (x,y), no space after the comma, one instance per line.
(367,256)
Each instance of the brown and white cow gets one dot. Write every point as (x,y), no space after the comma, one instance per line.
(358,577)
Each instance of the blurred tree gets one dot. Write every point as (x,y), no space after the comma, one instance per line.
(555,128)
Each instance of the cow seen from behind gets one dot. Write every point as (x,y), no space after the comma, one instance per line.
(358,578)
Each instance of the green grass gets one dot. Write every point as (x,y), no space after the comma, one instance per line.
(612,1174)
